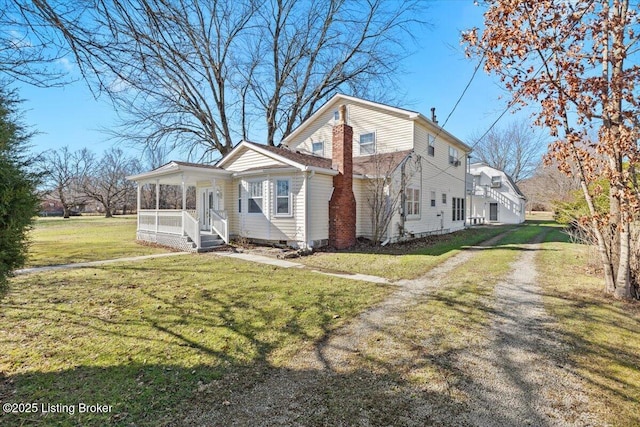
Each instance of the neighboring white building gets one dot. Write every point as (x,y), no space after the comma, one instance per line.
(493,196)
(314,189)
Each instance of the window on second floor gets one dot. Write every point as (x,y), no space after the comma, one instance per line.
(496,181)
(433,198)
(453,156)
(432,145)
(317,148)
(444,198)
(368,143)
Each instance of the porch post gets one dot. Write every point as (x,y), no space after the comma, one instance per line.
(138,204)
(157,202)
(184,195)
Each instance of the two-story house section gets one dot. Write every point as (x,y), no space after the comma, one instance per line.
(354,169)
(431,160)
(494,197)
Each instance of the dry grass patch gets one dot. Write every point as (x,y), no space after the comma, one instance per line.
(146,337)
(80,239)
(604,334)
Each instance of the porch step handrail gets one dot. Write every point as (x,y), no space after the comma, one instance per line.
(191,227)
(220,224)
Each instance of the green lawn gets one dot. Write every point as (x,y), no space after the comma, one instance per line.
(144,337)
(604,334)
(79,239)
(402,261)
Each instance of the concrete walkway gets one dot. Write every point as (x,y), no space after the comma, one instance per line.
(92,263)
(260,259)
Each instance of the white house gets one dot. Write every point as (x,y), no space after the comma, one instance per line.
(493,196)
(318,187)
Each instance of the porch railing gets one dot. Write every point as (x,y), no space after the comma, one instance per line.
(161,221)
(182,223)
(220,224)
(191,227)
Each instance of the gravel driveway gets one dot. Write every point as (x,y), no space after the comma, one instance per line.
(517,377)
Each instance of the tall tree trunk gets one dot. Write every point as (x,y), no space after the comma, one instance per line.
(623,281)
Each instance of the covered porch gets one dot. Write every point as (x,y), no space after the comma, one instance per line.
(182,205)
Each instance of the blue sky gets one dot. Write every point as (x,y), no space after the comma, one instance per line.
(435,77)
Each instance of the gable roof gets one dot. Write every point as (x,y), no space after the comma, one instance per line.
(296,159)
(409,115)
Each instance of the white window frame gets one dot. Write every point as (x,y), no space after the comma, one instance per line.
(372,143)
(277,197)
(444,198)
(251,197)
(412,202)
(314,151)
(431,147)
(453,155)
(433,199)
(239,197)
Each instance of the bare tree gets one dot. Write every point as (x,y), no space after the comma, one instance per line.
(65,172)
(106,183)
(30,53)
(190,73)
(387,179)
(516,149)
(548,186)
(313,49)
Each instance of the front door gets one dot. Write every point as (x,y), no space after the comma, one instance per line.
(493,211)
(207,200)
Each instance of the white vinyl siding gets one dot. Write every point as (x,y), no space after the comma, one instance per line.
(320,187)
(249,159)
(394,132)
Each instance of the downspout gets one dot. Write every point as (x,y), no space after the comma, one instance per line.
(307,210)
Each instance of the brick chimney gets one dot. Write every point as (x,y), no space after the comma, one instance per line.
(342,206)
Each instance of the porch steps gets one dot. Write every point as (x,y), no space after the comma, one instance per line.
(209,242)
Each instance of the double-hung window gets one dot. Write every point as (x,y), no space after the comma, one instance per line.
(317,148)
(239,198)
(368,143)
(433,199)
(255,197)
(453,156)
(432,145)
(283,197)
(412,198)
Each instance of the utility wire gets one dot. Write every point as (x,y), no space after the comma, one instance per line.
(509,105)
